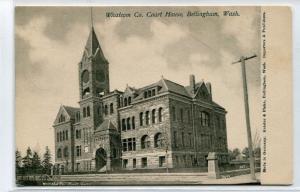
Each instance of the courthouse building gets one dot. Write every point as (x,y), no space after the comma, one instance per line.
(160,125)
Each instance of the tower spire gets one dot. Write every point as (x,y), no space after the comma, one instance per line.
(92,22)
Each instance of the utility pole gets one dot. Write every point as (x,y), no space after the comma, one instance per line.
(251,157)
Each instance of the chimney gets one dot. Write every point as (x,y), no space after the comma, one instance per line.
(192,83)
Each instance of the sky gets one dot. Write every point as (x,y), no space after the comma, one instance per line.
(49,43)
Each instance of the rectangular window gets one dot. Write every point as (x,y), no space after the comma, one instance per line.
(133,122)
(144,162)
(129,144)
(78,134)
(78,151)
(134,163)
(133,144)
(123,125)
(125,163)
(67,135)
(63,137)
(124,144)
(162,161)
(57,137)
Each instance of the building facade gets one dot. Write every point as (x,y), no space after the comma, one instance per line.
(161,125)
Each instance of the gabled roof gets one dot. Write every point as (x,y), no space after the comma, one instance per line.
(71,110)
(175,88)
(67,111)
(105,125)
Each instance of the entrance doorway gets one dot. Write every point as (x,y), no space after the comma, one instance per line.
(101,158)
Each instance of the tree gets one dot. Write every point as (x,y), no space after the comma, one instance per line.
(246,152)
(36,162)
(18,161)
(27,160)
(235,153)
(46,163)
(257,152)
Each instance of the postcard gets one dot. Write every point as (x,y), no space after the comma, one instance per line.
(153,95)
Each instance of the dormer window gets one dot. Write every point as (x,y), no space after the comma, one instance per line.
(153,92)
(125,102)
(149,93)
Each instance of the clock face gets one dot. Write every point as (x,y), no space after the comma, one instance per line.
(100,76)
(85,76)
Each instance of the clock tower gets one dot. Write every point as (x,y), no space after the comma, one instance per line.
(93,81)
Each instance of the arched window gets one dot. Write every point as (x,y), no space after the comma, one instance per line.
(123,125)
(158,140)
(153,115)
(105,110)
(88,112)
(59,153)
(66,152)
(128,123)
(204,117)
(141,118)
(129,100)
(145,142)
(133,122)
(147,117)
(84,112)
(111,107)
(125,102)
(160,114)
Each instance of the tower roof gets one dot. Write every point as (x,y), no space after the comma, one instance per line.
(92,46)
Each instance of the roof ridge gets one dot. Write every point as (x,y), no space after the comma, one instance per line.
(173,82)
(71,107)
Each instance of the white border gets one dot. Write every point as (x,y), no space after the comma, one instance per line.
(7,90)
